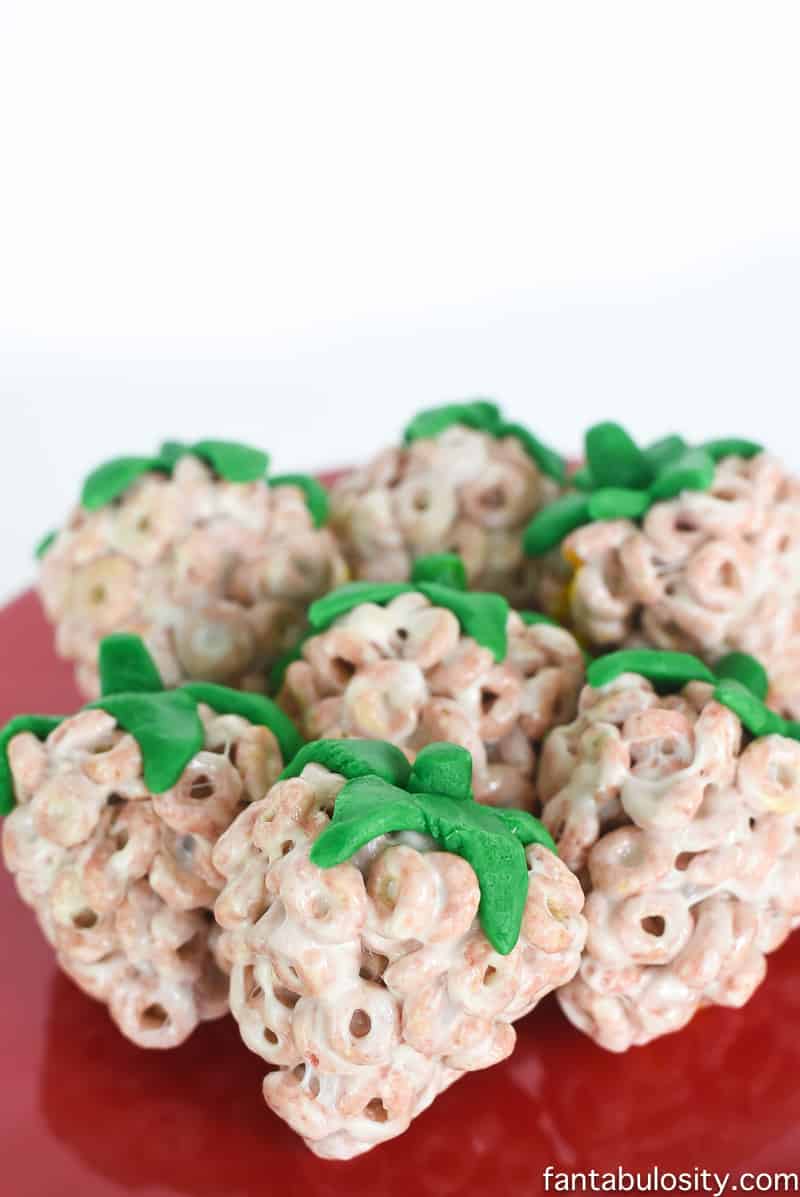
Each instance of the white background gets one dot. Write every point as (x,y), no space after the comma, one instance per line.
(295,224)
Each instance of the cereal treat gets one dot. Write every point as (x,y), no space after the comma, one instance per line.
(195,550)
(464,480)
(695,550)
(418,662)
(675,796)
(117,812)
(385,931)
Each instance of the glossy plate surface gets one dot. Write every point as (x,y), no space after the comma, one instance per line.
(84,1112)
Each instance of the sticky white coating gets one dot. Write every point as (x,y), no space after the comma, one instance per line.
(370,987)
(707,572)
(406,673)
(687,845)
(214,576)
(121,880)
(462,491)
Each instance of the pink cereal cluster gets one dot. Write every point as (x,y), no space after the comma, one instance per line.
(688,848)
(370,987)
(214,576)
(405,673)
(707,572)
(122,880)
(462,491)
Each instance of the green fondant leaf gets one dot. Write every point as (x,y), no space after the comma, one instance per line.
(480,414)
(110,480)
(126,666)
(171,452)
(693,470)
(442,769)
(483,616)
(662,452)
(549,462)
(615,459)
(526,828)
(315,493)
(529,618)
(39,726)
(582,478)
(757,718)
(746,670)
(44,544)
(555,521)
(254,707)
(661,668)
(166,727)
(731,446)
(616,503)
(323,612)
(446,568)
(491,844)
(485,416)
(232,461)
(352,758)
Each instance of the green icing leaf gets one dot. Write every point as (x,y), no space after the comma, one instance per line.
(555,521)
(662,452)
(485,416)
(757,718)
(442,769)
(746,670)
(480,414)
(622,481)
(232,461)
(323,612)
(662,668)
(491,841)
(549,462)
(166,727)
(615,459)
(616,503)
(352,758)
(582,478)
(254,707)
(693,470)
(482,616)
(110,480)
(446,568)
(740,683)
(731,446)
(44,544)
(39,726)
(315,494)
(126,666)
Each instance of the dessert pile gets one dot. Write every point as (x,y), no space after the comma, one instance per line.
(375,769)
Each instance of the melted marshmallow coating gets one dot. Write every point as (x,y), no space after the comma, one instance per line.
(122,880)
(405,673)
(707,573)
(214,576)
(370,987)
(462,491)
(687,844)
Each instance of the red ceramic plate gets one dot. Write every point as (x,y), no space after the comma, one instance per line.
(84,1112)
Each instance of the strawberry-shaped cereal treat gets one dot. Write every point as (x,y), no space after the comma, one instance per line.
(675,796)
(465,480)
(690,549)
(212,563)
(424,661)
(385,932)
(111,818)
